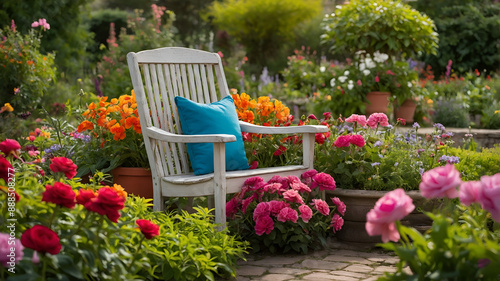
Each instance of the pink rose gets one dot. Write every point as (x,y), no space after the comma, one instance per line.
(440,182)
(264,225)
(321,206)
(336,223)
(300,187)
(323,181)
(247,201)
(288,214)
(305,213)
(378,119)
(342,141)
(393,206)
(276,206)
(293,196)
(307,176)
(262,210)
(489,195)
(341,208)
(6,255)
(327,115)
(357,140)
(468,192)
(232,207)
(359,119)
(253,181)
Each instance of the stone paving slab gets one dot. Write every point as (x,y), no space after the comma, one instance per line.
(340,261)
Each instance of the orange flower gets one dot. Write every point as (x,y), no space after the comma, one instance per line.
(119,190)
(118,131)
(85,125)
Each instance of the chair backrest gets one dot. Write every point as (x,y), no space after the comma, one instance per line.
(158,76)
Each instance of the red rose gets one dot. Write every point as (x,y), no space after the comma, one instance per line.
(65,165)
(60,194)
(148,228)
(41,239)
(9,146)
(84,196)
(5,168)
(108,202)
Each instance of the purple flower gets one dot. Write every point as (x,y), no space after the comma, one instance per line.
(416,125)
(439,126)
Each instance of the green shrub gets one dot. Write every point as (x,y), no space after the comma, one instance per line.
(25,72)
(390,27)
(263,27)
(469,34)
(474,164)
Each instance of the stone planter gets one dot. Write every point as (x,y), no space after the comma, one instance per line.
(360,202)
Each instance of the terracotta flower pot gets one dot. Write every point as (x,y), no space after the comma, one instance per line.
(406,110)
(377,102)
(137,181)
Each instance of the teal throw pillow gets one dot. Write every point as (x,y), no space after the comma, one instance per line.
(216,118)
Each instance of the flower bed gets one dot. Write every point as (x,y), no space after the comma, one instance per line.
(62,229)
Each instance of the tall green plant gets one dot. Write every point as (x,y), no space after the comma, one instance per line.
(263,27)
(389,27)
(469,34)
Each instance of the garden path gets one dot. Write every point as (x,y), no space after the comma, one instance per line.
(340,261)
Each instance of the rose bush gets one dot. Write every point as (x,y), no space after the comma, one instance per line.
(285,213)
(463,242)
(68,230)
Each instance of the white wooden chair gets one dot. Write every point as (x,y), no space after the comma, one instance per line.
(160,74)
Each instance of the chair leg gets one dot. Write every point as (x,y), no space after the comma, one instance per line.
(220,185)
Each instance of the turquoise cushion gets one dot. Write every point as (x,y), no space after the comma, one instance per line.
(216,118)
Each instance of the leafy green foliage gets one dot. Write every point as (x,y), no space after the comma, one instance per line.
(26,72)
(457,247)
(67,36)
(188,246)
(262,26)
(473,164)
(390,27)
(468,34)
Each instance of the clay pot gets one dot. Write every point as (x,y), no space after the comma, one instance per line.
(137,181)
(378,102)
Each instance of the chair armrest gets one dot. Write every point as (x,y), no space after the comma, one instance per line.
(251,128)
(162,135)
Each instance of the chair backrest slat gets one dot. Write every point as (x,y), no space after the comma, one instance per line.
(166,73)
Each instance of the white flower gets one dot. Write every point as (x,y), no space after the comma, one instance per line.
(342,79)
(304,73)
(332,82)
(410,84)
(322,69)
(369,63)
(350,85)
(346,73)
(362,66)
(366,72)
(380,57)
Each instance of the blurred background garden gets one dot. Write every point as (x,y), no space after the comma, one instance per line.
(282,49)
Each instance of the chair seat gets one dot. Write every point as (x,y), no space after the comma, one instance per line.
(187,179)
(189,185)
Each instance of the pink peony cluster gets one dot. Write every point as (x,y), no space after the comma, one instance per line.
(284,199)
(393,206)
(346,140)
(378,119)
(41,22)
(358,119)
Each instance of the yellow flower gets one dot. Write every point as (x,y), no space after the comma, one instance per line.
(7,107)
(497,111)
